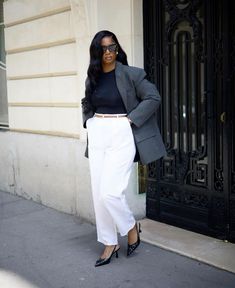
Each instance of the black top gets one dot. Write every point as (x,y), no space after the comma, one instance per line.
(106,98)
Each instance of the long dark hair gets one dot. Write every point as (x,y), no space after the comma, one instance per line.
(95,66)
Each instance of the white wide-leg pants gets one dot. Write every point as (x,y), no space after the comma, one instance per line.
(111,150)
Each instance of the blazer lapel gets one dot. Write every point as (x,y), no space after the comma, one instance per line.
(121,82)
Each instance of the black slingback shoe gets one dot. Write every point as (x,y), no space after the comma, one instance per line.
(105,261)
(131,247)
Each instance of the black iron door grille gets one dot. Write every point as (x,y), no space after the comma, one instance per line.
(189,54)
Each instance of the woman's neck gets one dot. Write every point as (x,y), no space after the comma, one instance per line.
(108,68)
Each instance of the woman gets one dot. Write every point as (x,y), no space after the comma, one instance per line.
(119,113)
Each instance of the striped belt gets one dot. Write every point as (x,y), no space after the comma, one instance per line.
(109,115)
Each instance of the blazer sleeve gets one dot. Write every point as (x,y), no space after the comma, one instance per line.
(85,117)
(87,111)
(149,99)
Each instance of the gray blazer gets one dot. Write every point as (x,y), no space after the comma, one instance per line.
(141,100)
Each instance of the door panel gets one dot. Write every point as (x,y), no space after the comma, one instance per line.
(187,52)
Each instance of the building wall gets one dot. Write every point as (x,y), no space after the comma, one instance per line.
(47,45)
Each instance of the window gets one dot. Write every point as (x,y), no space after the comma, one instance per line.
(3,80)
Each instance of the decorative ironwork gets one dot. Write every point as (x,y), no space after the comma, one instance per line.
(152,171)
(218,211)
(195,200)
(218,57)
(218,182)
(182,162)
(185,139)
(192,62)
(198,173)
(151,60)
(181,2)
(167,194)
(188,199)
(177,15)
(152,189)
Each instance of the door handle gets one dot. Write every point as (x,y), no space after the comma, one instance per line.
(223,117)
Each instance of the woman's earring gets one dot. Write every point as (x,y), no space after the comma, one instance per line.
(117,52)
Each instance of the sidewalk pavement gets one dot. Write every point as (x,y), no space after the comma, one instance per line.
(212,251)
(43,248)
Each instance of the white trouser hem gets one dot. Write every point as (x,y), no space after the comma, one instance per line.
(106,243)
(126,233)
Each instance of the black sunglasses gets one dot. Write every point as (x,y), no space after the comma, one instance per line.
(111,48)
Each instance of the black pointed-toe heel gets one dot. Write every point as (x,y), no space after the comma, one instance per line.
(105,261)
(131,247)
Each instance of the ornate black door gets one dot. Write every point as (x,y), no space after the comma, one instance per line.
(190,55)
